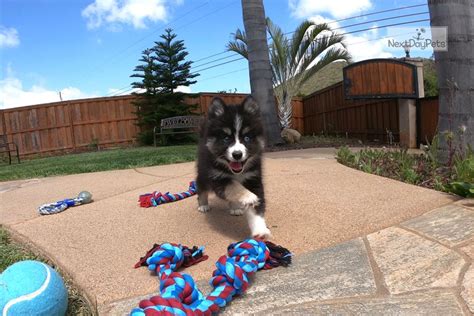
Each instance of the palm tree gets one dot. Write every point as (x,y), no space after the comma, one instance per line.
(455,68)
(311,47)
(259,67)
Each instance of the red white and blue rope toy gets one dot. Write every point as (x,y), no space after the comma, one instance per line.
(83,197)
(178,292)
(157,198)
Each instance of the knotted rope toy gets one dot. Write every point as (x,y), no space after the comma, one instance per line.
(83,197)
(178,292)
(157,198)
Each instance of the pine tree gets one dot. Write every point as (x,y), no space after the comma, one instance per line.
(145,98)
(162,71)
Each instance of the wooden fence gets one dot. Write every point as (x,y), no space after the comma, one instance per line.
(427,119)
(70,125)
(235,98)
(327,111)
(75,125)
(78,124)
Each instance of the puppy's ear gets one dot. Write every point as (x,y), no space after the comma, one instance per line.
(251,106)
(216,108)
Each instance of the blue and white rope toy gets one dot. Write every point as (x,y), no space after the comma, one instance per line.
(83,197)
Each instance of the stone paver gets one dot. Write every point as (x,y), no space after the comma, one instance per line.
(468,288)
(468,203)
(440,303)
(337,272)
(410,262)
(469,250)
(450,225)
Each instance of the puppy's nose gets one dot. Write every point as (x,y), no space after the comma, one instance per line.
(237,154)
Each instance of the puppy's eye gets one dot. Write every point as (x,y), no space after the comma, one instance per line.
(226,139)
(247,139)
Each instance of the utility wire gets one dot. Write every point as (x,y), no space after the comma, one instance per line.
(246,68)
(378,12)
(181,26)
(351,32)
(222,75)
(340,20)
(378,20)
(213,61)
(347,26)
(213,66)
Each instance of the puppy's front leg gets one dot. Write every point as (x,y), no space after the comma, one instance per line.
(257,224)
(203,201)
(254,208)
(237,193)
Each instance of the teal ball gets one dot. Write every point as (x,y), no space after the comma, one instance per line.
(85,196)
(32,288)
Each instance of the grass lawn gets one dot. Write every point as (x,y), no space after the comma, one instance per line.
(97,161)
(11,252)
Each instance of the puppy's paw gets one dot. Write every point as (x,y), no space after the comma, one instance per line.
(262,233)
(236,212)
(250,200)
(204,208)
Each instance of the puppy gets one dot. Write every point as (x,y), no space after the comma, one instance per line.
(230,161)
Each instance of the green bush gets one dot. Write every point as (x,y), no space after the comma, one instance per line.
(416,169)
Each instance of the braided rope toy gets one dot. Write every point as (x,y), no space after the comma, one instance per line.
(179,293)
(157,198)
(83,197)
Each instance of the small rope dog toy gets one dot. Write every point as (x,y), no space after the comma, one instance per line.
(179,294)
(157,198)
(83,197)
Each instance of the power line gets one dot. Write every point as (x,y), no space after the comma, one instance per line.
(212,61)
(224,52)
(378,20)
(384,26)
(356,31)
(224,74)
(347,26)
(377,12)
(340,20)
(115,56)
(246,68)
(159,28)
(113,93)
(184,25)
(379,38)
(228,62)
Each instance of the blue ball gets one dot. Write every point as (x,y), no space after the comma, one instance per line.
(32,288)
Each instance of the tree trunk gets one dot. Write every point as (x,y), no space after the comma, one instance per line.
(455,69)
(259,67)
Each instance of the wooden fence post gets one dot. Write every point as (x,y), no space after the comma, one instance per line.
(71,126)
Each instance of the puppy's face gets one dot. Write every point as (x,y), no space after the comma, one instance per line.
(235,133)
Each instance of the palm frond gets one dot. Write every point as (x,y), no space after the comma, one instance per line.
(278,52)
(309,34)
(238,44)
(331,55)
(318,47)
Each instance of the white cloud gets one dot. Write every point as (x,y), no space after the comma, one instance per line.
(363,45)
(183,89)
(114,13)
(13,94)
(9,37)
(335,8)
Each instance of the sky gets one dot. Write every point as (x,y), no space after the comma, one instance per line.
(52,49)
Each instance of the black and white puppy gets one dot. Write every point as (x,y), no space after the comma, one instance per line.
(230,161)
